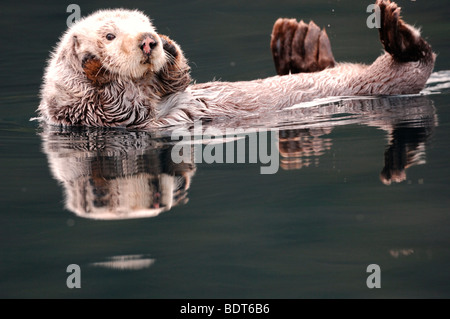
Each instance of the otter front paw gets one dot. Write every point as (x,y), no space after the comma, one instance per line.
(399,39)
(172,50)
(300,47)
(174,76)
(93,69)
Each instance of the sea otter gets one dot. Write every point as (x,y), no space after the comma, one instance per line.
(113,69)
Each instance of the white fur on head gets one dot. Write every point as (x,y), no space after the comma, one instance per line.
(122,55)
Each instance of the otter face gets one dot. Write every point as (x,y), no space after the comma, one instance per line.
(123,42)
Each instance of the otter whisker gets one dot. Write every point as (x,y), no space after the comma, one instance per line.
(172,60)
(99,70)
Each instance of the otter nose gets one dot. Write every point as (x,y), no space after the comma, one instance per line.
(148,44)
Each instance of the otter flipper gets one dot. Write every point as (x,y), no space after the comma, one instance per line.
(400,39)
(300,47)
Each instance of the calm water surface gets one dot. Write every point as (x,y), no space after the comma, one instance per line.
(359,182)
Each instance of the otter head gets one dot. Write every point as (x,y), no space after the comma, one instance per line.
(120,42)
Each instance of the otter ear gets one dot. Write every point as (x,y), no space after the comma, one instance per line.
(75,45)
(73,51)
(68,52)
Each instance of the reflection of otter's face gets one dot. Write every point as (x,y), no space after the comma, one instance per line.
(116,174)
(124,42)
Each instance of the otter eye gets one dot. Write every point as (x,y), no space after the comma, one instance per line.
(110,36)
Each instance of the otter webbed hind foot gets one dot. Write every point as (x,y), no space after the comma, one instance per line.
(299,47)
(399,39)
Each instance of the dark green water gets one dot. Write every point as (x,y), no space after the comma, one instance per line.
(308,231)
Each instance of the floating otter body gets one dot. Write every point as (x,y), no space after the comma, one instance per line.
(113,69)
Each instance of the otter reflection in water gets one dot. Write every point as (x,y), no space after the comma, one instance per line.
(112,174)
(119,174)
(406,148)
(408,121)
